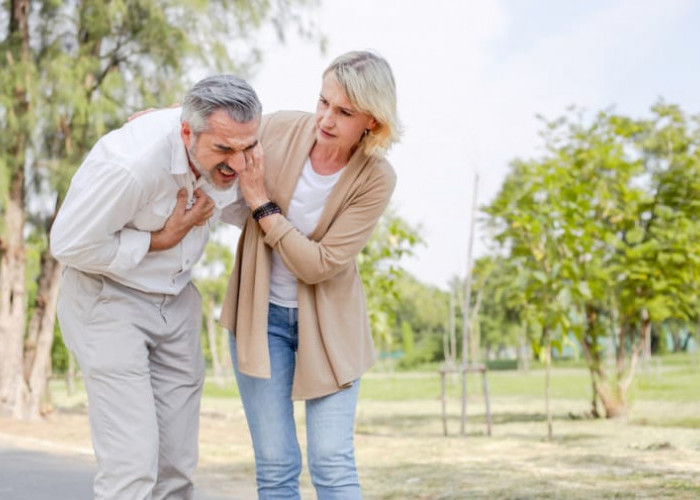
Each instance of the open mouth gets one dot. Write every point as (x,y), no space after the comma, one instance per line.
(226,171)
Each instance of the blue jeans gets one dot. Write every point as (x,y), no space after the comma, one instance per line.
(270,415)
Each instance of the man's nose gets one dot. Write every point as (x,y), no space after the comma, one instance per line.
(236,161)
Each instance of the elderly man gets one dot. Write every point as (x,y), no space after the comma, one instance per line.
(135,220)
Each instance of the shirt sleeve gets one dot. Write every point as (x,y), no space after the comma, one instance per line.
(91,230)
(235,213)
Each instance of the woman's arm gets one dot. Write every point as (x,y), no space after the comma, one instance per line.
(315,261)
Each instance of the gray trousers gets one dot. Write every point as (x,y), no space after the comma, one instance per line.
(142,363)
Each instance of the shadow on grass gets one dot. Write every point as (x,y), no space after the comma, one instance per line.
(432,423)
(593,476)
(76,409)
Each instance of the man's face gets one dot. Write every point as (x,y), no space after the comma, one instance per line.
(219,153)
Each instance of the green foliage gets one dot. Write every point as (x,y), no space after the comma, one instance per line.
(407,342)
(211,275)
(602,234)
(378,264)
(81,68)
(428,350)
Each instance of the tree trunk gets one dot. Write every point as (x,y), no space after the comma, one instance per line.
(212,337)
(523,355)
(547,381)
(475,336)
(225,359)
(12,302)
(12,252)
(37,347)
(646,336)
(451,352)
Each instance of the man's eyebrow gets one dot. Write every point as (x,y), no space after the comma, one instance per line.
(251,146)
(225,148)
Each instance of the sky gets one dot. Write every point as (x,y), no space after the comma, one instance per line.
(472,76)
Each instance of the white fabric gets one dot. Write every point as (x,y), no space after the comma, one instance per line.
(304,212)
(126,188)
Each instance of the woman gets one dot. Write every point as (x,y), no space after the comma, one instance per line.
(295,303)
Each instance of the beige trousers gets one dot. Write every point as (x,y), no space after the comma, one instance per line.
(142,363)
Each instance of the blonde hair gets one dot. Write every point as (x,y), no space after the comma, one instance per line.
(369,84)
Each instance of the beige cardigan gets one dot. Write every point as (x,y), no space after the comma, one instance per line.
(335,343)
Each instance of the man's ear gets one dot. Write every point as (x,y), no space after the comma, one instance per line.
(186,134)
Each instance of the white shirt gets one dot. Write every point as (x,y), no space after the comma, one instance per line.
(305,208)
(127,187)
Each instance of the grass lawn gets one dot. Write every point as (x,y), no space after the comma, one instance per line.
(653,453)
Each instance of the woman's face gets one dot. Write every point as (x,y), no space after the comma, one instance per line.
(338,123)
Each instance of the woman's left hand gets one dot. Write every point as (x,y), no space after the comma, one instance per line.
(252,178)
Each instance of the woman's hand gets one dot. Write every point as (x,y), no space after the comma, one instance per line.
(252,178)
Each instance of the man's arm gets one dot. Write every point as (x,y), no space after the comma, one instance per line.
(90,230)
(182,220)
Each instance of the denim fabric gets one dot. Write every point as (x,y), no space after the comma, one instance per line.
(270,414)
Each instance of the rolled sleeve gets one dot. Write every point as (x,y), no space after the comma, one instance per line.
(133,247)
(90,232)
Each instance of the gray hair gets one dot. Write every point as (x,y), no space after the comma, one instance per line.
(221,92)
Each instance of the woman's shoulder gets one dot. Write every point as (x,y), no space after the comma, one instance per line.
(381,167)
(284,120)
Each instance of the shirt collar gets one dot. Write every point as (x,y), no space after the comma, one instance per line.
(179,162)
(221,197)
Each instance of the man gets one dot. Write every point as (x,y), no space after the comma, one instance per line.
(135,220)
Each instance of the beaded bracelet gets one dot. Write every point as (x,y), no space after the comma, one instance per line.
(266,209)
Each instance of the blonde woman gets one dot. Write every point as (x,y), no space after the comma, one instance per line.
(295,304)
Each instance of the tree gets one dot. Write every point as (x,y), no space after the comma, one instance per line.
(378,264)
(212,276)
(604,229)
(71,71)
(499,320)
(425,308)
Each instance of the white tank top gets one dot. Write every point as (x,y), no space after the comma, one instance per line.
(304,212)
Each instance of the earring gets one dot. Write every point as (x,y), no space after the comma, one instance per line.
(364,134)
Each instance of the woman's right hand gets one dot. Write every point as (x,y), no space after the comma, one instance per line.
(252,178)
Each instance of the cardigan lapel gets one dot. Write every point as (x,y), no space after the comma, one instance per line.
(299,143)
(292,165)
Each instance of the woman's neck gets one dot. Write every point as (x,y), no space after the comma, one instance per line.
(327,161)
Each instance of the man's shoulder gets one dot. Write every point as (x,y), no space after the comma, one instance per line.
(141,142)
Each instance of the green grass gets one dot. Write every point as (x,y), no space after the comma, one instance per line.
(668,378)
(682,384)
(566,384)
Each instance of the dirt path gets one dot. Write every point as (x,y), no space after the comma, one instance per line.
(402,454)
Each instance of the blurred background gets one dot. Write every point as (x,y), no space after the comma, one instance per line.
(570,270)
